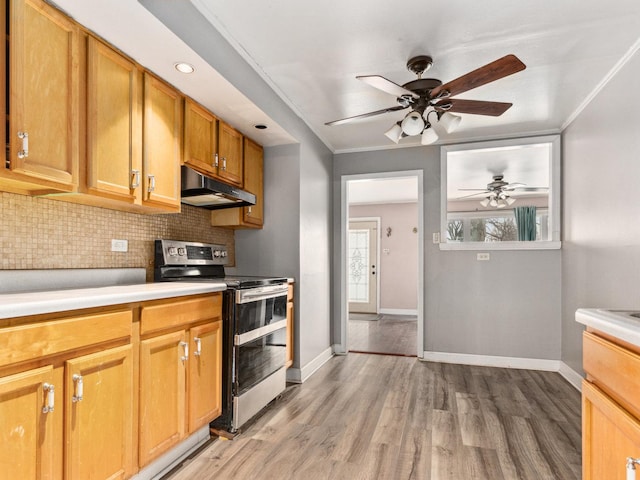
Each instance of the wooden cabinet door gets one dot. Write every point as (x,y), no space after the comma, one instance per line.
(205,374)
(43,94)
(26,431)
(114,124)
(609,435)
(99,415)
(230,167)
(200,138)
(253,182)
(162,394)
(162,144)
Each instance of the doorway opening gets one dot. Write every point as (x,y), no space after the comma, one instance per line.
(382,264)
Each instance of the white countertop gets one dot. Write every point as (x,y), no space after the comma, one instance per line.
(617,323)
(22,304)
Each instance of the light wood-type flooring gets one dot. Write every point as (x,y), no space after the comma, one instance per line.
(391,417)
(380,333)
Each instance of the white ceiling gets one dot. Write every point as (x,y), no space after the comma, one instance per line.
(310,54)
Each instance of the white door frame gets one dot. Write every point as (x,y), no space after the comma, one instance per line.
(378,241)
(344,226)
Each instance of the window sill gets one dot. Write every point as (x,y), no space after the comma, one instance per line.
(484,246)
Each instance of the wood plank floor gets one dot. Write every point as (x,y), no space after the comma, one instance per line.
(388,417)
(392,334)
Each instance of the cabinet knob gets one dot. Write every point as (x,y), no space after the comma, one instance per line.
(50,400)
(24,153)
(198,343)
(77,379)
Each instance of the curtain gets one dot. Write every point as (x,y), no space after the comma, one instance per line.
(526,222)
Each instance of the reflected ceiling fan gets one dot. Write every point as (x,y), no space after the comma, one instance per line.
(497,193)
(429,95)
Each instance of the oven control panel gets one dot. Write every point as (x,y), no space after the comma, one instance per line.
(175,252)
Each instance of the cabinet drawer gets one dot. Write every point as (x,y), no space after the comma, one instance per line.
(32,341)
(176,313)
(615,369)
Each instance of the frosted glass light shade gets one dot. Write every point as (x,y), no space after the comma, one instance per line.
(449,122)
(413,124)
(429,136)
(394,133)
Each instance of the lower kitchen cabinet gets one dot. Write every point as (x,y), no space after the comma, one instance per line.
(162,394)
(27,430)
(99,415)
(610,407)
(180,371)
(289,350)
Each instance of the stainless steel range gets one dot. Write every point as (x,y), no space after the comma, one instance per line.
(254,326)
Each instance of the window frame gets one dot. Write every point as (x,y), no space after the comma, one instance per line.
(554,195)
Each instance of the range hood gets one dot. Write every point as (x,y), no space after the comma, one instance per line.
(202,191)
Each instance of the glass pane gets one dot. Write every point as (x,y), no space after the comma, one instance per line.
(358,266)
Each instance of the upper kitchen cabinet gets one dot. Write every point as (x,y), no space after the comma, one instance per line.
(200,138)
(162,145)
(114,124)
(251,216)
(230,165)
(43,99)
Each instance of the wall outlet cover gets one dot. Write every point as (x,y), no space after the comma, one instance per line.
(483,257)
(119,245)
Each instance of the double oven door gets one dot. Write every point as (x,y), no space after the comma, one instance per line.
(254,352)
(261,334)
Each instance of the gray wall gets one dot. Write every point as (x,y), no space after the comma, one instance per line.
(509,306)
(601,224)
(296,239)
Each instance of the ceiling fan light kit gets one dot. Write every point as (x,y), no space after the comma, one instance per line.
(426,95)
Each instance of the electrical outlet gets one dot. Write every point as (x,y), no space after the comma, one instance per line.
(483,257)
(119,245)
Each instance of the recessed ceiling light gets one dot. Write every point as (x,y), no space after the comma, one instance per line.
(184,67)
(260,126)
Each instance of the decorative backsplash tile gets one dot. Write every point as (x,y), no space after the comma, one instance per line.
(45,233)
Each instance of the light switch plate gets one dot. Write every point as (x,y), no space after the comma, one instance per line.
(436,237)
(119,245)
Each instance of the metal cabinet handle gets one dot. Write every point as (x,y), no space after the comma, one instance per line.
(198,343)
(185,346)
(152,183)
(77,379)
(135,175)
(50,401)
(631,467)
(215,163)
(224,163)
(24,153)
(249,211)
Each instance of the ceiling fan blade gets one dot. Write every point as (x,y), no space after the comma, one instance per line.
(476,107)
(386,86)
(365,115)
(472,195)
(495,70)
(531,189)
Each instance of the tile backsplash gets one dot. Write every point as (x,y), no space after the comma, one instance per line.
(44,233)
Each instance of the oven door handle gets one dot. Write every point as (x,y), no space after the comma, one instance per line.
(259,332)
(262,293)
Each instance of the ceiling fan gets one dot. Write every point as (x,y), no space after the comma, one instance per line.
(497,193)
(430,95)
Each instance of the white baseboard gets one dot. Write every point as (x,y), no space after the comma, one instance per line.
(398,311)
(300,375)
(571,376)
(493,361)
(164,464)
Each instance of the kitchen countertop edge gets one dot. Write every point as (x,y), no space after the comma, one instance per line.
(617,325)
(14,305)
